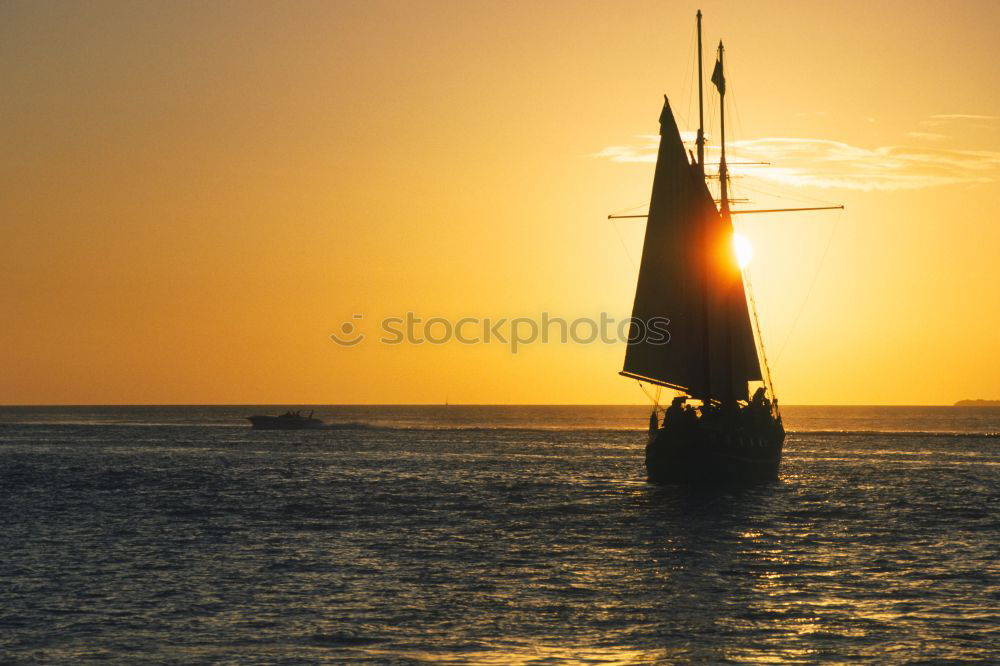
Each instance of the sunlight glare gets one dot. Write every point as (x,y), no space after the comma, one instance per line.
(743,249)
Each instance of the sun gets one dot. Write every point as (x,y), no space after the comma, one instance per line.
(743,249)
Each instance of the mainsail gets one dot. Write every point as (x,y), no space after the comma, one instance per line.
(689,275)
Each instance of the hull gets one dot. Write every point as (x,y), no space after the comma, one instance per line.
(712,454)
(283,422)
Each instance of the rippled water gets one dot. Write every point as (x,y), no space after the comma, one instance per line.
(178,535)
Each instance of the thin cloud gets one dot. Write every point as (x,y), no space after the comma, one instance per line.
(643,151)
(964,116)
(940,119)
(833,164)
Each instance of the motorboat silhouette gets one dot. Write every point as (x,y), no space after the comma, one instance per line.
(288,421)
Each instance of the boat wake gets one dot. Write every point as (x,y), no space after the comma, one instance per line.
(361,425)
(896,433)
(552,427)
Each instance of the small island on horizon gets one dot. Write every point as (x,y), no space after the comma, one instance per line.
(978,403)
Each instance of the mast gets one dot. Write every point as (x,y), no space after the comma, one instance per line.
(685,279)
(719,78)
(723,170)
(700,141)
(706,367)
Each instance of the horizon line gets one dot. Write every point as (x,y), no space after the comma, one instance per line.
(451,404)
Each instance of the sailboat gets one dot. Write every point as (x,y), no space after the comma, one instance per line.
(689,274)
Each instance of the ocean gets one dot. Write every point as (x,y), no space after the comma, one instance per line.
(491,535)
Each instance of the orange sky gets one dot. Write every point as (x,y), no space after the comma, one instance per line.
(194,196)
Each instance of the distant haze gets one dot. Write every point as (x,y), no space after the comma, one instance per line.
(195,196)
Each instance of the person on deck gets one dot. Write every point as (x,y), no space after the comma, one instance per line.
(759,409)
(759,399)
(675,412)
(690,416)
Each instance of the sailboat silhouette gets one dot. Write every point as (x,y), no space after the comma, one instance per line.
(689,274)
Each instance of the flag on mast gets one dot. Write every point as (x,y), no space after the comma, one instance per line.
(718,78)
